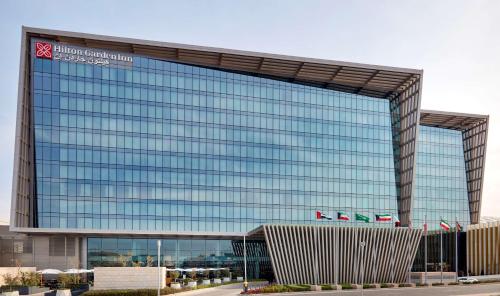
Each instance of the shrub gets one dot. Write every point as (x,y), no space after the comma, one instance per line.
(149,261)
(402,285)
(138,292)
(216,274)
(168,290)
(437,284)
(29,278)
(369,286)
(387,285)
(206,274)
(225,272)
(68,281)
(280,289)
(452,284)
(192,274)
(298,288)
(123,260)
(326,287)
(346,286)
(11,280)
(174,275)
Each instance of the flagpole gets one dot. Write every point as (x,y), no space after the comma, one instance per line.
(441,253)
(425,251)
(456,248)
(467,252)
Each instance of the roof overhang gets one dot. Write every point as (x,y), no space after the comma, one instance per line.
(122,233)
(364,79)
(451,120)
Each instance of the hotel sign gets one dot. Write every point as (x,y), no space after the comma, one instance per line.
(47,50)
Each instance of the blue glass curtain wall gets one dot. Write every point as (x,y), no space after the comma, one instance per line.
(161,146)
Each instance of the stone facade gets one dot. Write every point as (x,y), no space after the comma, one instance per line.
(128,277)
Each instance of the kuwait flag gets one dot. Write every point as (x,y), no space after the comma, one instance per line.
(360,217)
(444,225)
(320,216)
(383,217)
(342,216)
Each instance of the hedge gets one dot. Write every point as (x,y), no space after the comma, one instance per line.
(134,292)
(346,286)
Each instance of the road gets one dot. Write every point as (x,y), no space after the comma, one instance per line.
(482,290)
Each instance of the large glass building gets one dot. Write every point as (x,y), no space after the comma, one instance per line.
(121,142)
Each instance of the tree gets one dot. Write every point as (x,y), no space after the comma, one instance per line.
(192,274)
(206,274)
(149,261)
(174,275)
(123,260)
(137,263)
(29,278)
(10,280)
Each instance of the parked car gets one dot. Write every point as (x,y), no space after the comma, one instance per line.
(467,280)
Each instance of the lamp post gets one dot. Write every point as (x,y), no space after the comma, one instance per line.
(158,244)
(245,283)
(362,245)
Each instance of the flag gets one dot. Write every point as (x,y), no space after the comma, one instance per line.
(383,217)
(342,216)
(444,225)
(397,223)
(425,228)
(458,226)
(360,217)
(320,216)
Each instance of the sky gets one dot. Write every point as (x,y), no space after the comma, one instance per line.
(456,43)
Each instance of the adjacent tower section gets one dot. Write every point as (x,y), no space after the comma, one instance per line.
(454,146)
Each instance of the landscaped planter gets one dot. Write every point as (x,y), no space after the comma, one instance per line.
(191,284)
(205,282)
(217,281)
(32,290)
(226,279)
(63,292)
(175,285)
(239,278)
(315,288)
(13,293)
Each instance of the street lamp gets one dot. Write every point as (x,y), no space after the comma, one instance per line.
(362,245)
(245,284)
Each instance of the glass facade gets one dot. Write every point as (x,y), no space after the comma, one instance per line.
(180,253)
(441,185)
(162,146)
(175,253)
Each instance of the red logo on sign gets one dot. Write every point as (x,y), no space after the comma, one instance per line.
(43,50)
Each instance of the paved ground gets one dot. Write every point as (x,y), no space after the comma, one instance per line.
(224,290)
(478,290)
